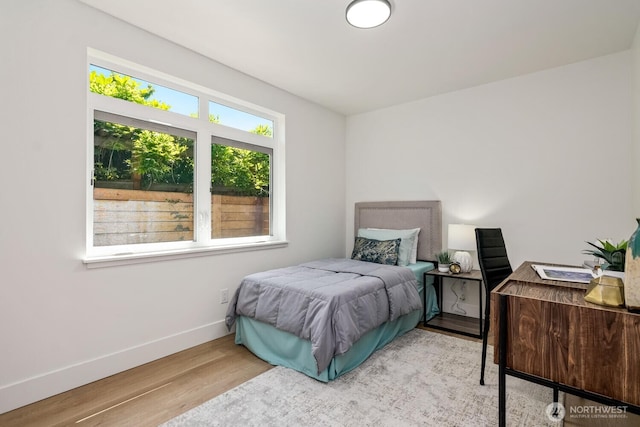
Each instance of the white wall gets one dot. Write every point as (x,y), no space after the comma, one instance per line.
(63,325)
(545,156)
(636,121)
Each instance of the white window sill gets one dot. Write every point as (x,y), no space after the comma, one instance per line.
(143,257)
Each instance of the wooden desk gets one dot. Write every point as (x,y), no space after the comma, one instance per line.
(547,333)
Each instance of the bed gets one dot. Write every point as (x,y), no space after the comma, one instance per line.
(290,343)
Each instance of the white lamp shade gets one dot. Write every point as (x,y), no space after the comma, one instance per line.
(462,237)
(368,13)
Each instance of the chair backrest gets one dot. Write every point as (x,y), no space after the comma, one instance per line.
(492,257)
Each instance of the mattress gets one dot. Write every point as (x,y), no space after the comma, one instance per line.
(285,349)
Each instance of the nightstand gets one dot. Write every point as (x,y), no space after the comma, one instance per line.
(462,325)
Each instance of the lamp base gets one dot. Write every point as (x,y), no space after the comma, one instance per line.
(465,261)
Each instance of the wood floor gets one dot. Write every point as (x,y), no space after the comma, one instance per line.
(158,391)
(149,394)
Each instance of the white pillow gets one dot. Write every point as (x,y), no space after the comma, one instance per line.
(414,250)
(408,243)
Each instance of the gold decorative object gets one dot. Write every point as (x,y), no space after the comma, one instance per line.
(455,268)
(606,290)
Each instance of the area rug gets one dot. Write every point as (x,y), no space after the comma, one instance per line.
(420,379)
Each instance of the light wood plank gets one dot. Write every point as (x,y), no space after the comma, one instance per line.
(172,385)
(163,389)
(161,196)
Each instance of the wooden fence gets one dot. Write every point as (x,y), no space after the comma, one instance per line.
(134,216)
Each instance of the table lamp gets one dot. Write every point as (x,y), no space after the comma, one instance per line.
(462,238)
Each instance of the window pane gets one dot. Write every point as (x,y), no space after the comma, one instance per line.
(237,119)
(143,190)
(109,83)
(240,180)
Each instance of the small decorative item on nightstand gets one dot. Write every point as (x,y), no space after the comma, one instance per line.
(454,268)
(444,261)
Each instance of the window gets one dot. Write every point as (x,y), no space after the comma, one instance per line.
(177,169)
(239,119)
(240,179)
(121,86)
(143,183)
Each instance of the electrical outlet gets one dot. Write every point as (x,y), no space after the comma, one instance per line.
(224,296)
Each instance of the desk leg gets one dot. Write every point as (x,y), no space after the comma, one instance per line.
(502,377)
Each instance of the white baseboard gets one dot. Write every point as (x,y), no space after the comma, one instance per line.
(39,387)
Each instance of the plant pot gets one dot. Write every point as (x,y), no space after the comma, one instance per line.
(443,268)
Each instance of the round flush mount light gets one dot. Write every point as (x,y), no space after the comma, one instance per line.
(368,13)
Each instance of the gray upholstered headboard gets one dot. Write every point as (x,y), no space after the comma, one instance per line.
(426,215)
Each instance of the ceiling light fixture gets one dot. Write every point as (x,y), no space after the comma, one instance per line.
(368,13)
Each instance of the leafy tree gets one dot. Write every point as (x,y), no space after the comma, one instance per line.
(153,154)
(264,130)
(246,172)
(124,87)
(133,153)
(239,171)
(146,157)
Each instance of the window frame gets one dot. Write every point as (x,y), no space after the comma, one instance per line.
(206,132)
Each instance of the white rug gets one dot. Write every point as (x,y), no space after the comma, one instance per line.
(420,379)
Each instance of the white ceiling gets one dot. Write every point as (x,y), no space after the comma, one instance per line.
(427,47)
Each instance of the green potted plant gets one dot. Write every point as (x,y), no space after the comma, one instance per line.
(444,261)
(613,255)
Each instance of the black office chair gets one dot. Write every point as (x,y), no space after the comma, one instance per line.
(495,267)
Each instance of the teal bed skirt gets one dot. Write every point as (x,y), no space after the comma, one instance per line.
(285,349)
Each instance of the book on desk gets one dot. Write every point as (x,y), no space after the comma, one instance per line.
(564,274)
(572,274)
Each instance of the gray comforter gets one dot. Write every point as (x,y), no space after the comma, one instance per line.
(331,302)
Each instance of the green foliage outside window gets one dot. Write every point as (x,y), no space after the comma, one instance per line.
(128,153)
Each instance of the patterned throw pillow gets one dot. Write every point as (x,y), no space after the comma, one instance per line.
(378,251)
(408,253)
